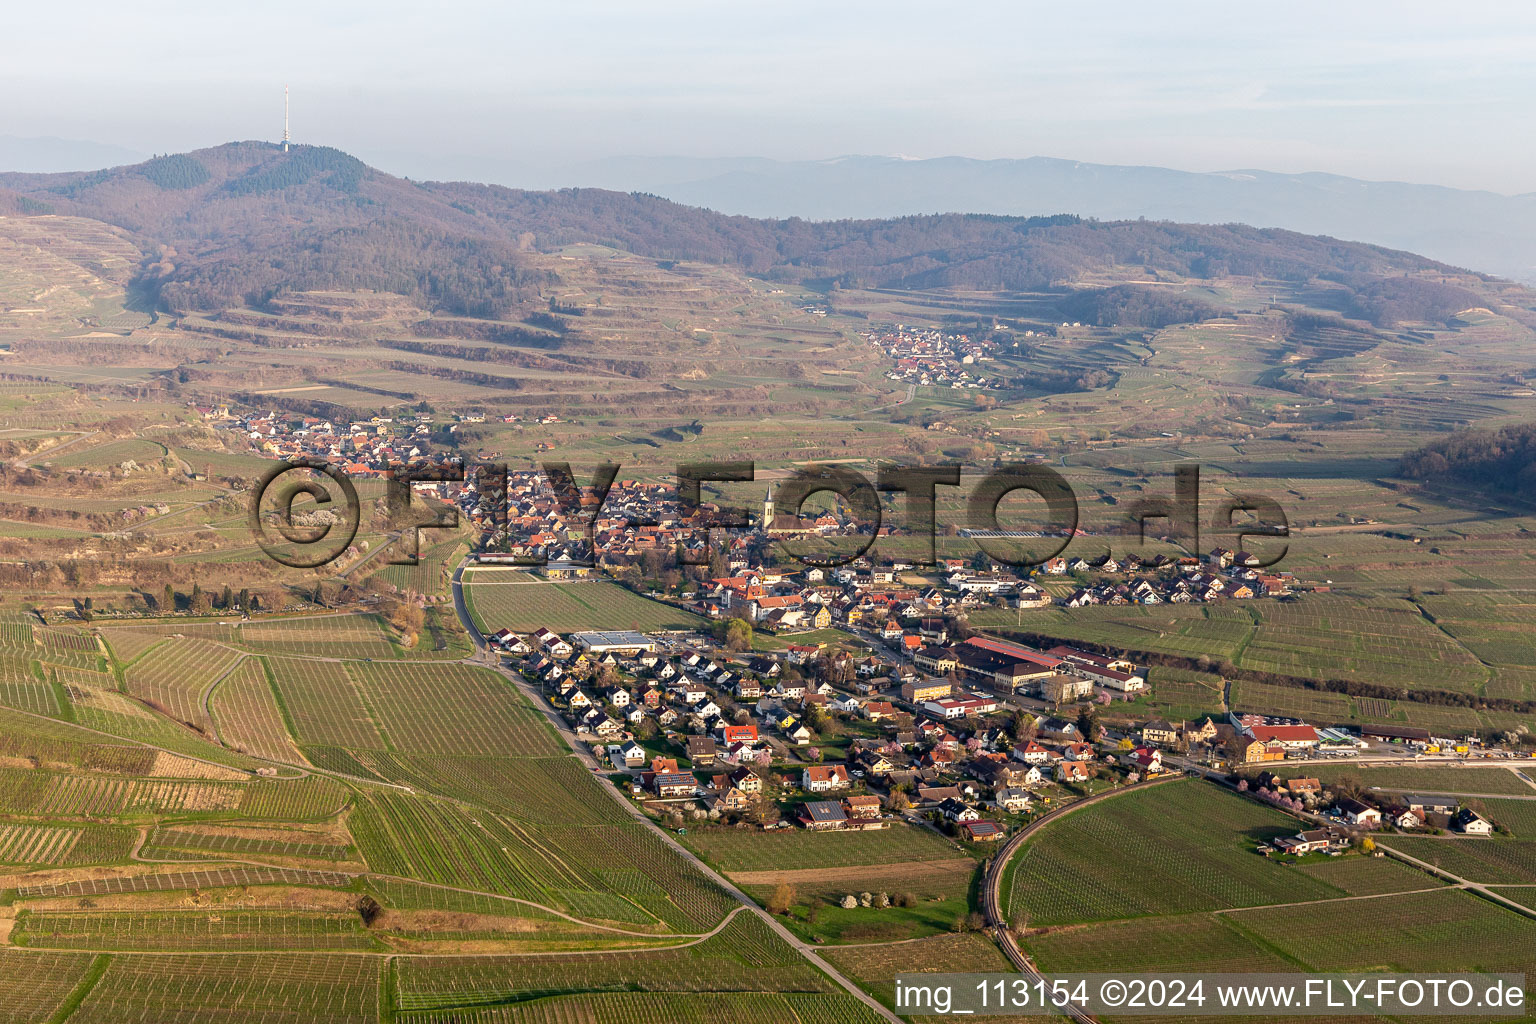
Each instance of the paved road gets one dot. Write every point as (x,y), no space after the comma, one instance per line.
(992,899)
(582,751)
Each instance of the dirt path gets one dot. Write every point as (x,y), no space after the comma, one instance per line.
(1477,887)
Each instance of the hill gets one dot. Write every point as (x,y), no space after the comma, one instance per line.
(1497,460)
(1472,228)
(241,223)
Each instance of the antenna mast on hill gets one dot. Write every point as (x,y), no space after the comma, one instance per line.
(285,119)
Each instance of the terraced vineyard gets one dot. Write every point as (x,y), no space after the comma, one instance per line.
(233,840)
(666,1008)
(174,676)
(451,709)
(320,705)
(34,986)
(744,957)
(247,715)
(328,636)
(281,988)
(45,845)
(192,931)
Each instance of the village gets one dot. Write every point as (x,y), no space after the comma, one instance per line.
(928,356)
(974,738)
(877,703)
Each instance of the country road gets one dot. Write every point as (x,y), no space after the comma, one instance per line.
(991,893)
(582,752)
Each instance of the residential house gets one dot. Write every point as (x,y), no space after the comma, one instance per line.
(1469,822)
(746,780)
(1302,843)
(1432,804)
(1303,787)
(1031,752)
(1203,731)
(737,733)
(864,807)
(823,778)
(982,831)
(729,800)
(1357,813)
(701,751)
(675,784)
(955,810)
(823,815)
(1074,771)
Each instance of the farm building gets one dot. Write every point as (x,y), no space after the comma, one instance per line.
(624,641)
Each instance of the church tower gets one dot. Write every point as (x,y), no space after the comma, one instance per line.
(768,507)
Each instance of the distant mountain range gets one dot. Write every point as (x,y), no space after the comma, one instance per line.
(237,224)
(1481,231)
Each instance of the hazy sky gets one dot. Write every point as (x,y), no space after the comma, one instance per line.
(1431,92)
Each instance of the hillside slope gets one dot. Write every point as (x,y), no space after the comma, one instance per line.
(240,223)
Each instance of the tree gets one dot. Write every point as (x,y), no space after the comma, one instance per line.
(737,634)
(763,810)
(368,909)
(1367,845)
(1023,726)
(1088,725)
(170,598)
(782,899)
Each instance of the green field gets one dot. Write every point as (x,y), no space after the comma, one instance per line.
(1189,847)
(566,607)
(734,850)
(1429,778)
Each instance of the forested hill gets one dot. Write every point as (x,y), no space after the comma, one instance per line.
(237,223)
(1496,460)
